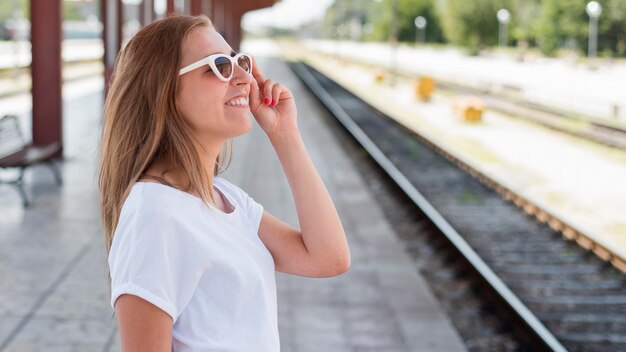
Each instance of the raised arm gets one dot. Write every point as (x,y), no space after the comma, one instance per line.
(320,247)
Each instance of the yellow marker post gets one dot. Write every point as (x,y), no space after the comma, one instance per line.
(424,87)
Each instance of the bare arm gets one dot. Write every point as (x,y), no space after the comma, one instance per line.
(322,233)
(142,325)
(320,248)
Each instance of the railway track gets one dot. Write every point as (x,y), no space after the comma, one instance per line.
(555,295)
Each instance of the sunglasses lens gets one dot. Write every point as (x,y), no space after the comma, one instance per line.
(245,63)
(224,66)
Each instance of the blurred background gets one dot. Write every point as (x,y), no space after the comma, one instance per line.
(481,144)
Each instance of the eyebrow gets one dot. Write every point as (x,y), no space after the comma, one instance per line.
(232,53)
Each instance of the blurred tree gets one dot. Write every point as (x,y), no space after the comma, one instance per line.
(408,10)
(565,23)
(524,21)
(562,23)
(374,19)
(612,36)
(336,15)
(8,6)
(547,24)
(72,11)
(472,24)
(377,13)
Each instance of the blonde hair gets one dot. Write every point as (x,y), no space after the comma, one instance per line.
(142,123)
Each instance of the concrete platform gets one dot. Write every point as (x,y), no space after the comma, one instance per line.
(53,293)
(596,93)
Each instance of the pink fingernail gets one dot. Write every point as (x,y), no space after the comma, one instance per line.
(274,102)
(267,101)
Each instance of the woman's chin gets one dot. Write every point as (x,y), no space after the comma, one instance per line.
(245,126)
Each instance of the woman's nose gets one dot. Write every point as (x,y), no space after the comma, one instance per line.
(240,76)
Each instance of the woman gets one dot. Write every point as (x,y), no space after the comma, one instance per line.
(191,256)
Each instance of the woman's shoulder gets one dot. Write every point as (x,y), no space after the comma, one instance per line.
(222,181)
(230,188)
(152,198)
(151,210)
(252,208)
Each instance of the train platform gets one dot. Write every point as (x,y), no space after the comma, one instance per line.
(579,181)
(558,83)
(53,292)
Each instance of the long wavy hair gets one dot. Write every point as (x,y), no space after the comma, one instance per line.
(141,122)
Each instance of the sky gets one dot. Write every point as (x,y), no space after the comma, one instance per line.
(286,14)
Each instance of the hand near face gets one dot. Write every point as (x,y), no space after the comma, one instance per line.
(272,104)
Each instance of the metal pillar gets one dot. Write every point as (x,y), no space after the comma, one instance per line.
(234,29)
(218,14)
(196,7)
(207,8)
(227,20)
(46,71)
(146,12)
(120,24)
(111,12)
(394,42)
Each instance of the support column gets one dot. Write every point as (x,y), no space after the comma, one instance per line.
(120,23)
(196,7)
(207,8)
(218,14)
(171,8)
(234,27)
(46,71)
(146,12)
(238,35)
(111,13)
(227,21)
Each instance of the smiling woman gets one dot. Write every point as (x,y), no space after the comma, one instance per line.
(184,275)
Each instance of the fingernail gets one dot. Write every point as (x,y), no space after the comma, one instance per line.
(274,102)
(267,101)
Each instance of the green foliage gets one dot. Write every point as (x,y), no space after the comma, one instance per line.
(472,23)
(612,23)
(547,24)
(378,15)
(562,23)
(524,21)
(409,10)
(72,11)
(8,6)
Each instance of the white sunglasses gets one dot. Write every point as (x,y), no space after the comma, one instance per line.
(222,65)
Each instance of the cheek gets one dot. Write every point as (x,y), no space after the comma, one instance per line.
(201,104)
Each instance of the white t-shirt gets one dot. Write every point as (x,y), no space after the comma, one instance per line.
(207,269)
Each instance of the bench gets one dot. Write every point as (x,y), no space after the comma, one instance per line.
(15,153)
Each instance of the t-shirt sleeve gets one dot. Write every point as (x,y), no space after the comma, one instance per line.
(152,257)
(254,210)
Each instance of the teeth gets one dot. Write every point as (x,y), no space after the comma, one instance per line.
(238,101)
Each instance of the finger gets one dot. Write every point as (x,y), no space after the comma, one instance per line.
(276,93)
(254,99)
(267,91)
(256,72)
